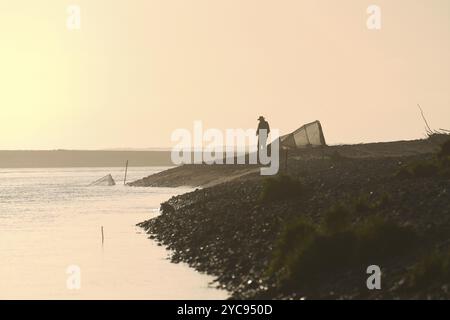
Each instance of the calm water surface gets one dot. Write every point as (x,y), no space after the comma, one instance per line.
(51,219)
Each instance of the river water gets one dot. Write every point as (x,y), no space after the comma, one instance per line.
(51,242)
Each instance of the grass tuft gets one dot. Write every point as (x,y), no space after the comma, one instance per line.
(439,166)
(280,188)
(337,219)
(432,270)
(307,253)
(445,150)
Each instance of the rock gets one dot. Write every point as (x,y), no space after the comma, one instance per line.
(225,231)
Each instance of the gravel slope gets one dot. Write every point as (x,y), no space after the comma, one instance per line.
(225,231)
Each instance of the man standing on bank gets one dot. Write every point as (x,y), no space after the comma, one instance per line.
(262,132)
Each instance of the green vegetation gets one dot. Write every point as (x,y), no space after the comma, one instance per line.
(444,159)
(280,188)
(338,219)
(306,254)
(300,231)
(361,204)
(438,166)
(445,149)
(433,270)
(425,169)
(383,201)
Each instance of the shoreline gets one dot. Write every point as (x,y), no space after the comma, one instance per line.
(195,175)
(64,208)
(224,230)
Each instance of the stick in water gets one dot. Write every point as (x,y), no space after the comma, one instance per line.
(125,177)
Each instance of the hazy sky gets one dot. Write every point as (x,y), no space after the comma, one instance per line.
(139,69)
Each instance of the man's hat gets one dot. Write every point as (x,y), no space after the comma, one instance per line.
(261,118)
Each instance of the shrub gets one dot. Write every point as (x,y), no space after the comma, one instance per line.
(425,169)
(445,171)
(422,169)
(293,238)
(337,219)
(280,188)
(380,240)
(445,162)
(383,201)
(403,173)
(361,204)
(444,158)
(305,255)
(430,271)
(324,256)
(439,166)
(438,138)
(445,149)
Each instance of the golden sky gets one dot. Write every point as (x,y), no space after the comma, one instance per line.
(139,69)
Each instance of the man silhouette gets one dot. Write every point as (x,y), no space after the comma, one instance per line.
(262,132)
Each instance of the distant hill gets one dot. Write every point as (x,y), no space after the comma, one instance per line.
(82,158)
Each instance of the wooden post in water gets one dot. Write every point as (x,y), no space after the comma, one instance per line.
(103,237)
(125,177)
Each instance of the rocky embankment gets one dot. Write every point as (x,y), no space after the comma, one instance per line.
(207,175)
(226,231)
